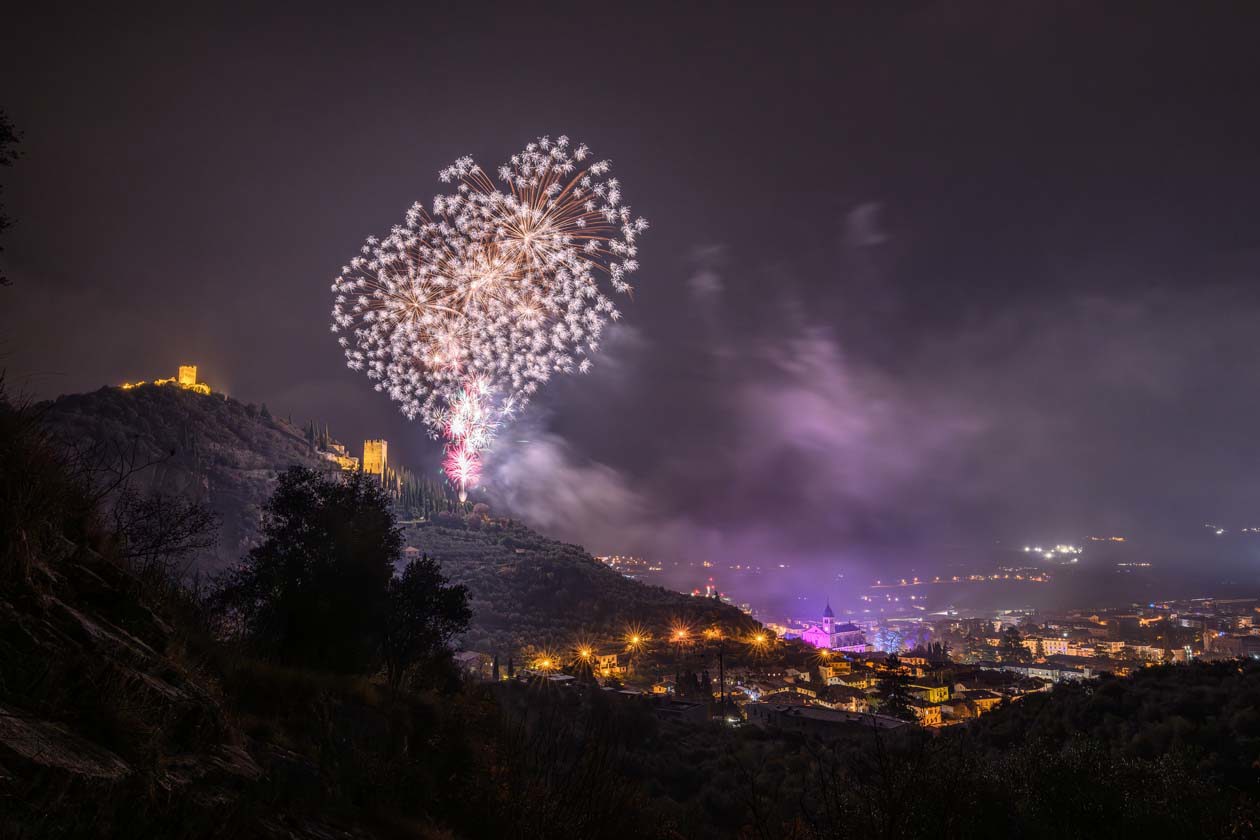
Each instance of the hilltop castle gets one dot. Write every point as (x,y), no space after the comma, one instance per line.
(185,377)
(375,457)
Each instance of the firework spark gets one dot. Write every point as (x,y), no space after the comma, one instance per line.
(464,311)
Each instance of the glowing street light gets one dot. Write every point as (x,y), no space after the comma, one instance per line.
(680,635)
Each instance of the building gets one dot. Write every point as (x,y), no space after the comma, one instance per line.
(927,714)
(844,698)
(1049,671)
(337,453)
(930,693)
(984,699)
(608,665)
(785,691)
(862,679)
(832,670)
(375,454)
(185,377)
(959,708)
(1045,645)
(831,636)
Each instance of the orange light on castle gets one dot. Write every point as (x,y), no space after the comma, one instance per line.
(375,456)
(185,377)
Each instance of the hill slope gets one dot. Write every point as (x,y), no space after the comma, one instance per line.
(209,448)
(524,588)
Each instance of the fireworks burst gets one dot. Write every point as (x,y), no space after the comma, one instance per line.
(464,311)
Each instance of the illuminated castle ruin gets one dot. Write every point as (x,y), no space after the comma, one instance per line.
(374,457)
(185,378)
(337,453)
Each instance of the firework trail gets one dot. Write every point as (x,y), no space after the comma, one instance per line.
(466,309)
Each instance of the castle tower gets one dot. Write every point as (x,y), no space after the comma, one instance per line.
(374,457)
(187,375)
(829,620)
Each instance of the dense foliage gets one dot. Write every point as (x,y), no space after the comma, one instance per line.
(1002,776)
(314,591)
(319,591)
(422,615)
(1208,712)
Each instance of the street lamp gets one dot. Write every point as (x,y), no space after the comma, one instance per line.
(715,634)
(679,635)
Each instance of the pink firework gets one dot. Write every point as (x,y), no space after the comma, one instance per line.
(469,429)
(462,466)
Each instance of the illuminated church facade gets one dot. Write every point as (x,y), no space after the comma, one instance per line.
(827,634)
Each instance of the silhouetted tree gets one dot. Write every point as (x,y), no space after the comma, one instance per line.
(422,616)
(316,590)
(159,534)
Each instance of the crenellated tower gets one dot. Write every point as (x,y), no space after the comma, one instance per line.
(375,457)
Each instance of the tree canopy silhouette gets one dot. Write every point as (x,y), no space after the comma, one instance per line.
(424,615)
(320,590)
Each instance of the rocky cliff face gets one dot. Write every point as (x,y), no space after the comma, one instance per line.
(97,706)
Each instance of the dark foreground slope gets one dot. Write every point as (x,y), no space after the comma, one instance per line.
(206,447)
(125,712)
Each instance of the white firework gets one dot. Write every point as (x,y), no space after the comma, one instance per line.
(492,291)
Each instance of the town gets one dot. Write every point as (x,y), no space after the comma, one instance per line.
(930,672)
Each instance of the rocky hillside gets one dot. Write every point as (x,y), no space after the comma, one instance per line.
(94,705)
(209,448)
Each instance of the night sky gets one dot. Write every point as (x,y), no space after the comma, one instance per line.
(940,274)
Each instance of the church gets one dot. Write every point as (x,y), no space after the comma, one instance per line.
(828,634)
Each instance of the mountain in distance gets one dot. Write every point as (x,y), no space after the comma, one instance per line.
(524,588)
